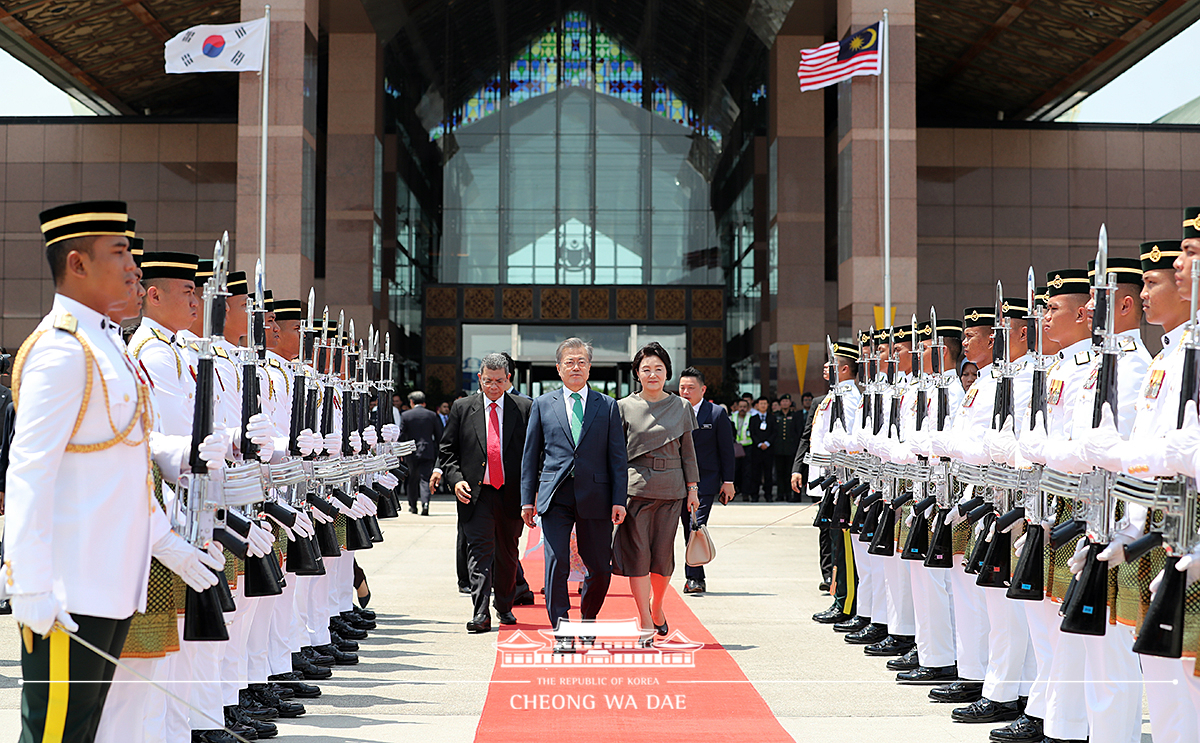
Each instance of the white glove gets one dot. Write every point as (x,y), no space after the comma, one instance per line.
(862,438)
(186,561)
(260,432)
(1019,545)
(391,432)
(941,444)
(387,480)
(303,526)
(909,521)
(1076,561)
(308,442)
(954,518)
(357,511)
(355,442)
(39,612)
(320,517)
(1102,445)
(1002,444)
(1182,444)
(836,439)
(918,441)
(369,437)
(216,554)
(1032,444)
(260,541)
(366,504)
(212,451)
(347,511)
(1188,564)
(333,444)
(1114,553)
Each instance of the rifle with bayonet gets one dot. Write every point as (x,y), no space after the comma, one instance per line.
(916,547)
(941,541)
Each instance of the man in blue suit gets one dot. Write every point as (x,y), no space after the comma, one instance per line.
(574,470)
(714,451)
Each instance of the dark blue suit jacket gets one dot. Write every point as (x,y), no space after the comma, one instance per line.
(598,462)
(714,447)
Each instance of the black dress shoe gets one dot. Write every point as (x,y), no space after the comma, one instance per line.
(341,643)
(823,586)
(280,691)
(307,669)
(466,591)
(872,633)
(906,662)
(254,709)
(694,586)
(294,682)
(985,710)
(412,509)
(830,616)
(339,657)
(959,692)
(317,658)
(237,717)
(364,612)
(424,510)
(507,617)
(268,698)
(928,675)
(891,645)
(853,624)
(1024,729)
(479,624)
(5,607)
(564,645)
(354,620)
(220,736)
(525,599)
(338,625)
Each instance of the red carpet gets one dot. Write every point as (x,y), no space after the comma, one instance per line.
(628,695)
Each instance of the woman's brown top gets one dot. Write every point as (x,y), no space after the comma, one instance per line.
(658,442)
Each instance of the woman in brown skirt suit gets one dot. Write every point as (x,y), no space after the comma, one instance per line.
(662,471)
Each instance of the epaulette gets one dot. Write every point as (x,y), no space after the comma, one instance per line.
(194,346)
(274,363)
(161,335)
(1127,344)
(1083,358)
(218,351)
(66,321)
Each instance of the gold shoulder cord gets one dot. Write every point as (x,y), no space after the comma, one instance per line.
(137,352)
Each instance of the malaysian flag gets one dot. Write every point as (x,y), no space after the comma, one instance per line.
(841,60)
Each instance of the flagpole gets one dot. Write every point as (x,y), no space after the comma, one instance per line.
(262,166)
(887,174)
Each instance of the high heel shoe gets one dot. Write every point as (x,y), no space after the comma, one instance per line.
(662,629)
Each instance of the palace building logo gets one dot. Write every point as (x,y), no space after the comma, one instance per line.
(596,643)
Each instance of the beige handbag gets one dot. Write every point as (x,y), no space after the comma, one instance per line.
(700,547)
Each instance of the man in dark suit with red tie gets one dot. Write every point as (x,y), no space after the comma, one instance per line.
(480,458)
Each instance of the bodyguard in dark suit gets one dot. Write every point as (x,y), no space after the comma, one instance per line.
(481,462)
(574,475)
(763,440)
(422,425)
(713,440)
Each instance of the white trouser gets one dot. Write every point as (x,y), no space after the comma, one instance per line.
(205,692)
(344,596)
(258,640)
(300,606)
(866,579)
(932,615)
(279,640)
(970,625)
(179,673)
(1172,711)
(1039,641)
(1066,702)
(900,618)
(135,711)
(234,661)
(1008,649)
(1193,685)
(1114,687)
(318,605)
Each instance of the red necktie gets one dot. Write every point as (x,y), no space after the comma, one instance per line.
(495,466)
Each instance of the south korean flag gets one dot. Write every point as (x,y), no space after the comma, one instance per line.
(231,47)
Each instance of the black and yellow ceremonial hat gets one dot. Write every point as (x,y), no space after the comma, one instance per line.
(1041,296)
(904,333)
(169,265)
(1128,270)
(268,301)
(976,317)
(204,271)
(881,336)
(845,350)
(85,219)
(289,309)
(950,328)
(1191,222)
(1015,308)
(864,336)
(1067,281)
(137,248)
(1160,255)
(236,284)
(924,331)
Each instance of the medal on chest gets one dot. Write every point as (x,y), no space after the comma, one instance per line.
(1154,384)
(1054,394)
(825,403)
(1090,384)
(969,400)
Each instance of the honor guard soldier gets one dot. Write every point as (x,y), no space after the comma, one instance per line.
(1061,705)
(82,520)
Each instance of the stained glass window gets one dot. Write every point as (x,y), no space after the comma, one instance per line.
(575,53)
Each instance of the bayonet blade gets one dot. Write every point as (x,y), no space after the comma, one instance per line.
(312,300)
(325,324)
(351,331)
(1030,291)
(259,290)
(1102,257)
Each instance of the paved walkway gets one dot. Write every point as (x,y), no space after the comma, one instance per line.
(423,678)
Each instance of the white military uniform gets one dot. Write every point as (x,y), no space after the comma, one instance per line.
(900,617)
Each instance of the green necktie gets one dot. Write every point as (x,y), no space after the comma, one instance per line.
(576,416)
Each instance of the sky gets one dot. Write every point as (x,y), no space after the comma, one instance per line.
(1155,86)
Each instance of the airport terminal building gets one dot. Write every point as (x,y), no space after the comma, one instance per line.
(479,175)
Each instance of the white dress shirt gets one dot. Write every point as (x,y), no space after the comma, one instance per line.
(583,396)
